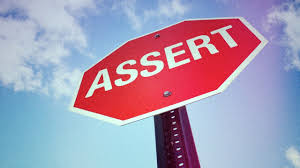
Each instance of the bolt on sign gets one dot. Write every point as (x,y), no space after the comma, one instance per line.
(167,69)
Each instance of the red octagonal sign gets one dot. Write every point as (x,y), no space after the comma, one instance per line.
(167,69)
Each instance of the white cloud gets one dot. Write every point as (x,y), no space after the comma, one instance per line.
(63,79)
(37,36)
(165,9)
(293,155)
(34,40)
(288,15)
(129,9)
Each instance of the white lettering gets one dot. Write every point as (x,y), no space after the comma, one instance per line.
(170,56)
(121,71)
(205,43)
(226,36)
(106,83)
(157,63)
(171,52)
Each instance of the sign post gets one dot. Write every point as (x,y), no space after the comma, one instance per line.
(175,146)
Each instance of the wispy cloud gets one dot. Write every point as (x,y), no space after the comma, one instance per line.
(34,40)
(288,16)
(168,9)
(37,37)
(164,9)
(293,155)
(129,9)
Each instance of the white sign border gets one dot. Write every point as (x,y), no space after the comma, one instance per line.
(226,83)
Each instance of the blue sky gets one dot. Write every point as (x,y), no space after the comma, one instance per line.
(45,46)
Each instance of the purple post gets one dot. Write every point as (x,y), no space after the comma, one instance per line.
(175,145)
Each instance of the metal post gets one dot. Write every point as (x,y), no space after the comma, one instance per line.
(175,145)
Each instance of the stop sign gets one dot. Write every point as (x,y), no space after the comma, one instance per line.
(167,69)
